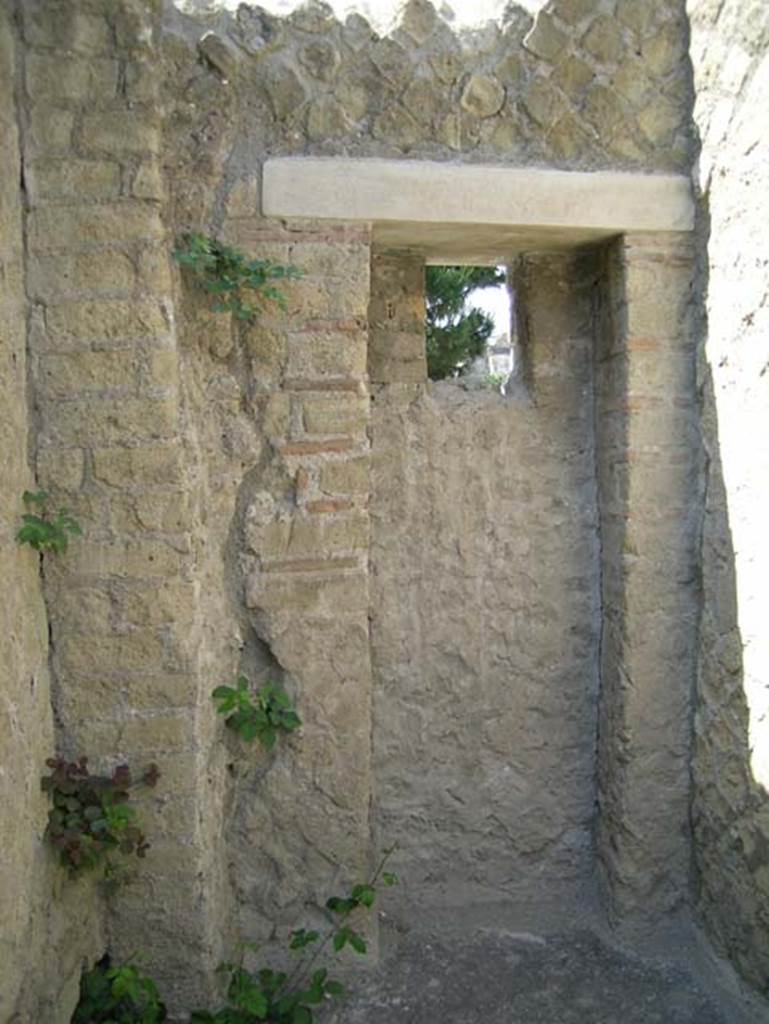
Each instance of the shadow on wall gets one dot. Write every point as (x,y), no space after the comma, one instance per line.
(731,807)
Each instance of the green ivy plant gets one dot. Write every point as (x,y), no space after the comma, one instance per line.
(262,716)
(230,276)
(292,997)
(45,529)
(91,818)
(118,995)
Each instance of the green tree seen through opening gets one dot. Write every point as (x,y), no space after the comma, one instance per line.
(456,334)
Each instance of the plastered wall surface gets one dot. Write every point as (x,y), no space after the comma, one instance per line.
(731,816)
(235,481)
(485,589)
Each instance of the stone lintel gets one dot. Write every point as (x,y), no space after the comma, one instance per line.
(455,211)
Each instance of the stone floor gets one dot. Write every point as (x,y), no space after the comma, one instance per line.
(580,975)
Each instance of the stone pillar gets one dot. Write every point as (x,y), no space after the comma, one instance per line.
(307,831)
(648,472)
(397,318)
(123,603)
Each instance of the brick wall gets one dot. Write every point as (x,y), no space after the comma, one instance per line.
(43,922)
(123,606)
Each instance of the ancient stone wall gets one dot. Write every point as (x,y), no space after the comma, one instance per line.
(233,479)
(730,43)
(127,636)
(42,921)
(485,601)
(591,83)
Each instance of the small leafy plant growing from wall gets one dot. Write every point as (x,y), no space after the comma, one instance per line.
(46,529)
(293,997)
(91,818)
(235,281)
(118,995)
(263,716)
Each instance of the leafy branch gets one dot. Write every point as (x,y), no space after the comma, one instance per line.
(277,996)
(44,529)
(91,817)
(261,717)
(118,995)
(229,275)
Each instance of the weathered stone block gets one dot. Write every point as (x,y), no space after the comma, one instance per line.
(349,476)
(320,58)
(97,655)
(459,131)
(569,138)
(483,96)
(154,266)
(604,109)
(84,609)
(392,60)
(327,536)
(161,603)
(60,469)
(68,29)
(84,321)
(660,120)
(72,227)
(419,19)
(159,691)
(154,734)
(285,91)
(97,273)
(545,39)
(638,17)
(397,126)
(221,54)
(326,354)
(119,131)
(574,11)
(159,512)
(80,372)
(50,129)
(276,415)
(54,77)
(68,178)
(335,414)
(543,103)
(573,75)
(130,468)
(603,40)
(148,182)
(353,99)
(326,119)
(243,198)
(347,263)
(108,420)
(663,51)
(141,82)
(130,559)
(632,82)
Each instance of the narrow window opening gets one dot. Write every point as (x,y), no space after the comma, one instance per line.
(469,332)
